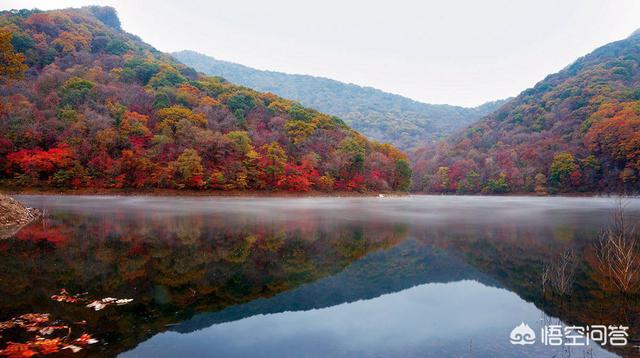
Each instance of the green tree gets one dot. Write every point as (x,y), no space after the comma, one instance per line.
(241,141)
(470,184)
(355,148)
(117,47)
(498,185)
(74,92)
(561,168)
(402,175)
(240,105)
(168,76)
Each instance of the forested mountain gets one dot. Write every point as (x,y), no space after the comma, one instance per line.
(85,104)
(379,115)
(577,130)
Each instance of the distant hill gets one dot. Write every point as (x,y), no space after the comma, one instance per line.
(379,115)
(576,130)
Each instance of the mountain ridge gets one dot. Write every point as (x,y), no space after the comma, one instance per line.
(379,115)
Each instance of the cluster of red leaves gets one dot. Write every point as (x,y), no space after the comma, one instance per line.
(298,177)
(36,161)
(39,326)
(353,184)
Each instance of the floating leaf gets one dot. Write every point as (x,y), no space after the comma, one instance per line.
(96,305)
(101,304)
(39,325)
(123,301)
(86,339)
(64,296)
(74,348)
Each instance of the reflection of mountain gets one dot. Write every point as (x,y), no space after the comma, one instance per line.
(515,263)
(172,266)
(405,265)
(508,256)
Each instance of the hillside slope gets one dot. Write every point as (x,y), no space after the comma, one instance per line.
(97,107)
(577,130)
(379,115)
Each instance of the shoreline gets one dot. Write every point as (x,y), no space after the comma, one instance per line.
(274,194)
(194,193)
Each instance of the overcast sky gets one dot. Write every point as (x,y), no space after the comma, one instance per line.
(453,51)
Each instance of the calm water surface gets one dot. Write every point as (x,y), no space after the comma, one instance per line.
(419,276)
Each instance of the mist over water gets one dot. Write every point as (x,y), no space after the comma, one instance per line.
(415,210)
(356,276)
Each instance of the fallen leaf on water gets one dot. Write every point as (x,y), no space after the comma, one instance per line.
(64,296)
(86,339)
(31,322)
(74,349)
(97,305)
(50,329)
(123,301)
(34,327)
(107,301)
(38,325)
(35,318)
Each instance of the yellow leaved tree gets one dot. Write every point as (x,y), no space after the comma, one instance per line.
(11,63)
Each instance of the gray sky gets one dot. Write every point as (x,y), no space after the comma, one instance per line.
(454,51)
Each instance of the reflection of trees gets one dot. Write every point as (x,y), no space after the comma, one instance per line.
(405,265)
(515,257)
(173,266)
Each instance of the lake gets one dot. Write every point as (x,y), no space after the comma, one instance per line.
(415,276)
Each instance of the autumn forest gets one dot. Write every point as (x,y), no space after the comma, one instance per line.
(86,105)
(165,203)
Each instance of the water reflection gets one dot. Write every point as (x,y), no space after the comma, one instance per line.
(416,322)
(227,269)
(172,265)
